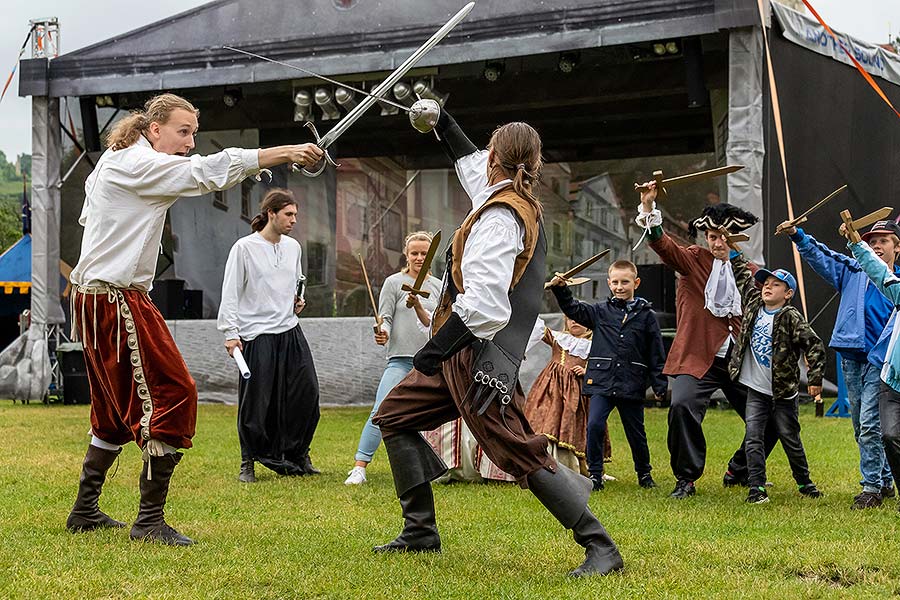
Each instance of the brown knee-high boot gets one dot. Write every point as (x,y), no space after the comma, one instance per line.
(86,514)
(150,524)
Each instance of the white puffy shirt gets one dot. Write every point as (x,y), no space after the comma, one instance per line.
(126,199)
(259,287)
(489,256)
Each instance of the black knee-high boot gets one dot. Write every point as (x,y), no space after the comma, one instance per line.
(414,465)
(86,514)
(150,524)
(565,495)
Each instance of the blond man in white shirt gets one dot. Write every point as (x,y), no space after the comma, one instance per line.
(278,407)
(140,387)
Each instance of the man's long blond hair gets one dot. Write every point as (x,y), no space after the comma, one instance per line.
(156,110)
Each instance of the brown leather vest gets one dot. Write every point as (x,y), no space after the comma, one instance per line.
(526,212)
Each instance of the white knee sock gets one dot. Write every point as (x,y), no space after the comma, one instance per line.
(95,441)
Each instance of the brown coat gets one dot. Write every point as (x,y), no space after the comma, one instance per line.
(700,334)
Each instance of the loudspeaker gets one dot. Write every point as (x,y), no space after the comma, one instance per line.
(658,286)
(76,387)
(168,296)
(193,304)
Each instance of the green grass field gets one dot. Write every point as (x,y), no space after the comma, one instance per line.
(311,537)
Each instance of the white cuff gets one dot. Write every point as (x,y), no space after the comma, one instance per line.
(647,220)
(250,161)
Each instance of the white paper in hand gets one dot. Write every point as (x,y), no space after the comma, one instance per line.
(238,357)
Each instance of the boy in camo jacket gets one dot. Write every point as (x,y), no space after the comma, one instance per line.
(774,335)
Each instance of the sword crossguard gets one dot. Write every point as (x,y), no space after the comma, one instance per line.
(326,160)
(413,291)
(661,193)
(847,230)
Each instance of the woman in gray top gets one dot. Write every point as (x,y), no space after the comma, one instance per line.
(402,336)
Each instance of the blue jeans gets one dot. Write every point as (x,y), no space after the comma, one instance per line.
(863,384)
(397,368)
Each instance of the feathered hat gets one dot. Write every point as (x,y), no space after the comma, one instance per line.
(722,216)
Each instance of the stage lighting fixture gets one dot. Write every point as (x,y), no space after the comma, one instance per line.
(672,47)
(404,93)
(493,70)
(425,89)
(232,97)
(325,102)
(568,61)
(345,98)
(303,106)
(659,49)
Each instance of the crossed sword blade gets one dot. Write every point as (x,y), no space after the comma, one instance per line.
(317,76)
(377,93)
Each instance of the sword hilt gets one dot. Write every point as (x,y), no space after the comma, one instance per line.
(326,160)
(851,234)
(661,193)
(408,288)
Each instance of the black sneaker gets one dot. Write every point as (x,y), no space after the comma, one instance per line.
(646,481)
(888,492)
(757,495)
(810,491)
(866,500)
(732,480)
(683,489)
(596,483)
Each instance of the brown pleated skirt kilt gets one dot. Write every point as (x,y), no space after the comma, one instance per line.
(423,403)
(140,386)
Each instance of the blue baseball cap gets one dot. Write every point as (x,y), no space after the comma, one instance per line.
(781,274)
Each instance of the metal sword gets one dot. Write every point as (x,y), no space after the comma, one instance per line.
(416,288)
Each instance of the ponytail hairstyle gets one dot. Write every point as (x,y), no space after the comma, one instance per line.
(415,236)
(156,110)
(274,200)
(517,156)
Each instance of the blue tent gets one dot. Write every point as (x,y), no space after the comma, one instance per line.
(15,268)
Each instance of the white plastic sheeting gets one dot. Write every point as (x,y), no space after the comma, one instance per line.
(746,145)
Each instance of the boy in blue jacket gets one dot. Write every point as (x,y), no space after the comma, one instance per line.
(870,254)
(862,316)
(626,356)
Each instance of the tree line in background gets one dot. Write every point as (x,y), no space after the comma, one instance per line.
(11,176)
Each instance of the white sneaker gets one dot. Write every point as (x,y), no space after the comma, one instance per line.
(357,476)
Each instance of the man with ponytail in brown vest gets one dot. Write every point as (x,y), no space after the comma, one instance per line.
(141,390)
(278,407)
(493,289)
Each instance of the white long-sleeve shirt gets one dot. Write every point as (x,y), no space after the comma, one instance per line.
(259,287)
(489,256)
(126,199)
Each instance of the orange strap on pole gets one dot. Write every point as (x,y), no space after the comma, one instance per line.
(852,58)
(16,66)
(779,133)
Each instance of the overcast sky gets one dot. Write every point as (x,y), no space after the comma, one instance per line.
(88,21)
